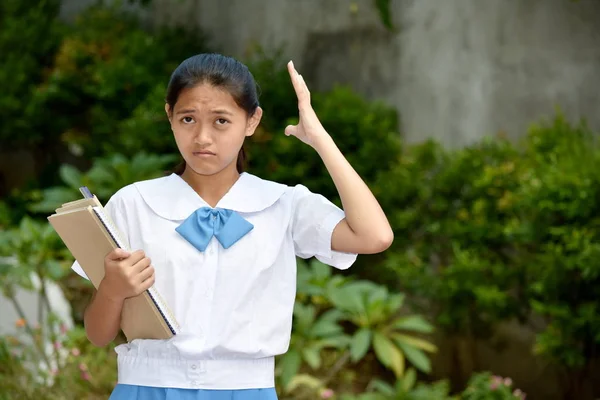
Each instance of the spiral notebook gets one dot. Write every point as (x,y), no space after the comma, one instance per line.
(89,233)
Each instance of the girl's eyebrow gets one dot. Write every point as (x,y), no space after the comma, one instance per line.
(186,111)
(221,111)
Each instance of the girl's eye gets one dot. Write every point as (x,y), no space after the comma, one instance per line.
(222,121)
(187,120)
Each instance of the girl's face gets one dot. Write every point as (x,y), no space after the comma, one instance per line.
(210,128)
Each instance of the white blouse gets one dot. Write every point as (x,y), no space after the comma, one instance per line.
(234,305)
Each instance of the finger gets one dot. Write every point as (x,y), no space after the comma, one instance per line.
(146,273)
(305,88)
(147,284)
(117,254)
(141,265)
(297,82)
(290,130)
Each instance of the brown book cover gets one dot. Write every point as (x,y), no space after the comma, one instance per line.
(89,234)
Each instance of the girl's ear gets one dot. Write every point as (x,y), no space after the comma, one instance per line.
(253,121)
(168,111)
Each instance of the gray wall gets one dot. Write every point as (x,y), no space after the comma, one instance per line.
(456,70)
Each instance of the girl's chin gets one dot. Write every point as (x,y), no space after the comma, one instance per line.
(206,168)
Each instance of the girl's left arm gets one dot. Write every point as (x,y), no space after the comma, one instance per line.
(365,229)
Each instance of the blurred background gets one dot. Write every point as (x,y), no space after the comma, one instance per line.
(474,122)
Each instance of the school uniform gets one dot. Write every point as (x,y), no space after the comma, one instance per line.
(229,275)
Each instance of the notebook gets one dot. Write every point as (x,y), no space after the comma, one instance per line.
(89,233)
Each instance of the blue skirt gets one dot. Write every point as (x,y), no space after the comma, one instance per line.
(133,392)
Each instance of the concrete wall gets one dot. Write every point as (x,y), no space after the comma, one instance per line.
(455,70)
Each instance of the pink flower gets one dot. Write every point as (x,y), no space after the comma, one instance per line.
(82,367)
(518,393)
(507,382)
(85,376)
(54,371)
(75,351)
(496,382)
(57,345)
(327,394)
(63,328)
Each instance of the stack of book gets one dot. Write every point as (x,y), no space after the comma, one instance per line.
(89,233)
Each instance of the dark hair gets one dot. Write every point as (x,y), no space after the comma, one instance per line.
(219,71)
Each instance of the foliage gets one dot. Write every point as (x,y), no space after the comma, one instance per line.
(78,92)
(561,194)
(405,388)
(365,132)
(79,370)
(29,37)
(375,313)
(484,386)
(105,177)
(372,321)
(497,231)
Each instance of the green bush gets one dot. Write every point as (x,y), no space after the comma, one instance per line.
(29,39)
(498,231)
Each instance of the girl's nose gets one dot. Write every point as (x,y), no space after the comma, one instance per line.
(202,135)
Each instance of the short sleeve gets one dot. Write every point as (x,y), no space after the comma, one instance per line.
(115,210)
(314,220)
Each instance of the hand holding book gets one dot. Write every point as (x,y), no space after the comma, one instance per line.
(126,274)
(96,243)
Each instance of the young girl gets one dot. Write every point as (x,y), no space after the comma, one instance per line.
(221,244)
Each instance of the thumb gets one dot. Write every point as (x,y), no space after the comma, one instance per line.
(118,254)
(291,130)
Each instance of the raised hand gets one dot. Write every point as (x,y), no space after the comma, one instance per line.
(309,128)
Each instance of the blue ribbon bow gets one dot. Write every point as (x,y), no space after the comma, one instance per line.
(204,223)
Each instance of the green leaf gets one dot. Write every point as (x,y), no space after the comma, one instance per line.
(55,270)
(388,354)
(52,198)
(415,342)
(305,316)
(303,380)
(320,270)
(312,357)
(382,387)
(347,299)
(70,175)
(27,229)
(360,344)
(290,364)
(413,323)
(324,328)
(337,342)
(416,357)
(409,380)
(394,303)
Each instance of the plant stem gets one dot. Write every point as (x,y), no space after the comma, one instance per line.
(51,328)
(38,346)
(337,367)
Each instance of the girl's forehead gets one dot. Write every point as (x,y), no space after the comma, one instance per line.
(205,96)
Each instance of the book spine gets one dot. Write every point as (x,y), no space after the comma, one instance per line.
(152,293)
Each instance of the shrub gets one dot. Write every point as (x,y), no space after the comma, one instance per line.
(495,231)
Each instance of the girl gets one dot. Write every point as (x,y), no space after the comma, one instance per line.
(221,244)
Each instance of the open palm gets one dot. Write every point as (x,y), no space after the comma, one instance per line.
(309,127)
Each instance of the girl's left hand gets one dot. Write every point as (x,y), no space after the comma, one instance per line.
(309,128)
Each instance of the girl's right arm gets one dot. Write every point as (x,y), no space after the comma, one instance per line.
(126,275)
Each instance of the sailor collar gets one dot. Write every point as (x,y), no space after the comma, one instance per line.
(172,198)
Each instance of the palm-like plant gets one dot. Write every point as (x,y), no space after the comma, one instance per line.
(310,336)
(375,313)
